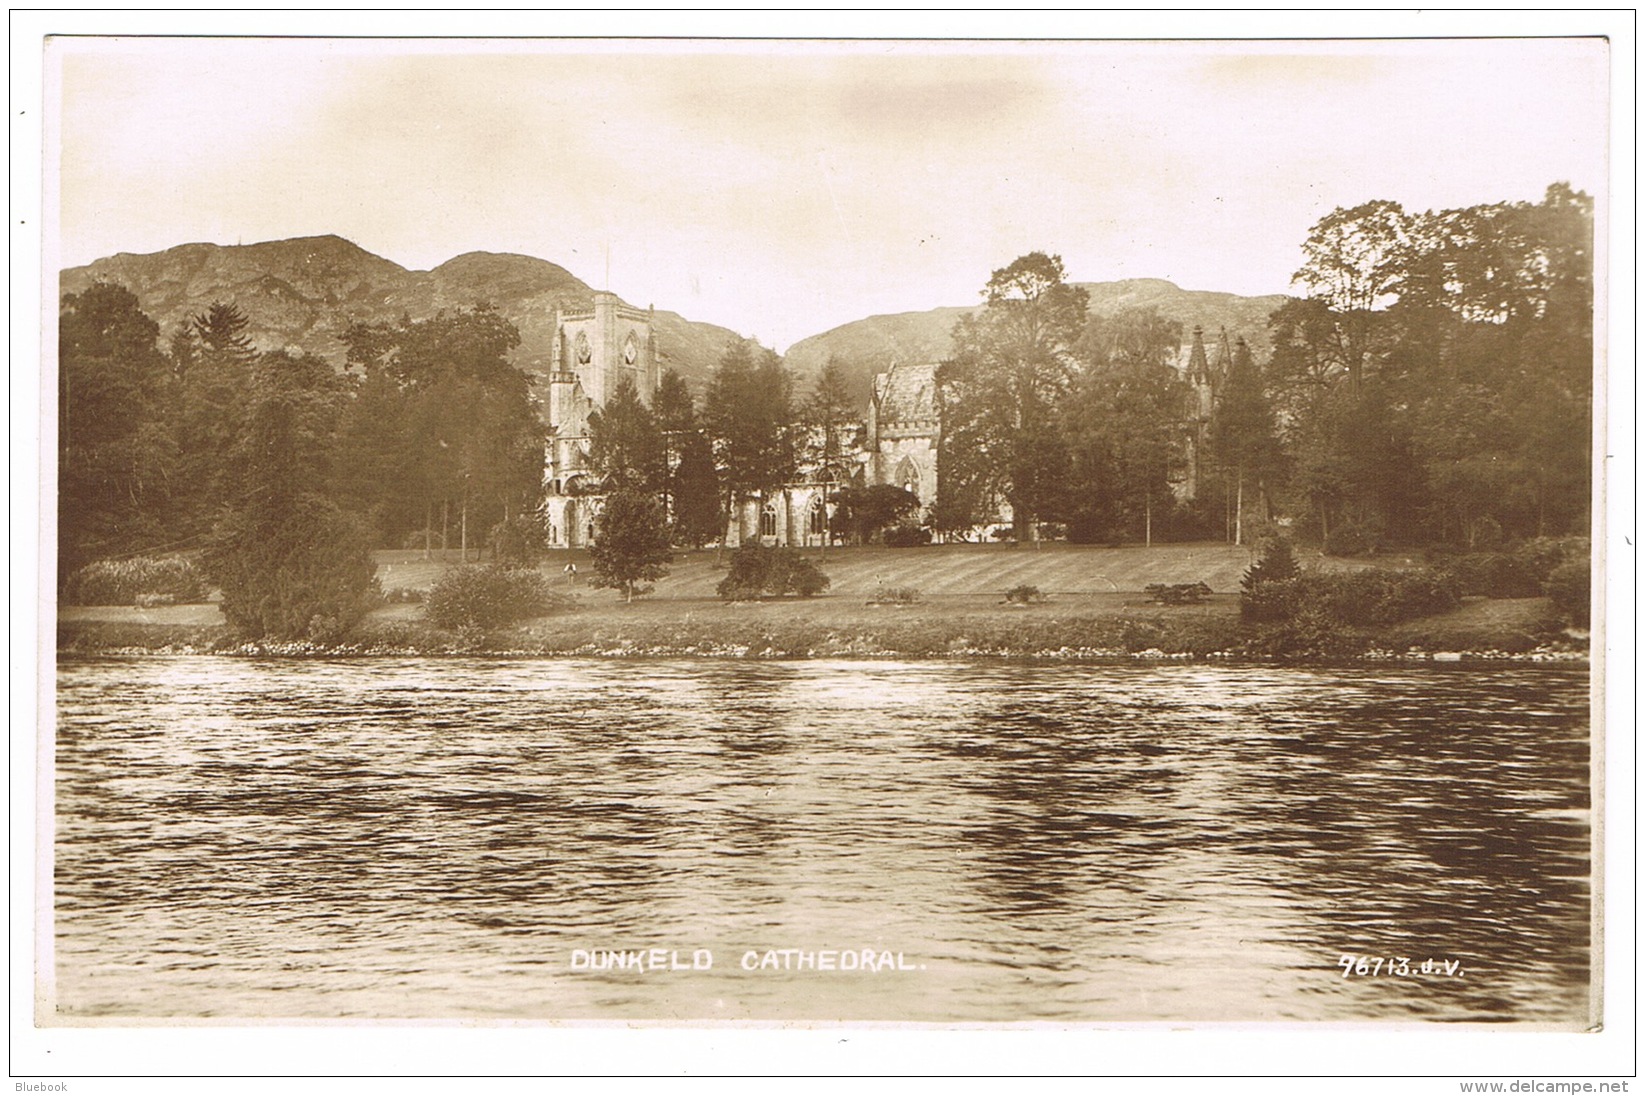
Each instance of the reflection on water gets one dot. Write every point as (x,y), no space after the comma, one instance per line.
(1106,842)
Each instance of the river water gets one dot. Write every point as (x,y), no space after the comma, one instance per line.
(474,838)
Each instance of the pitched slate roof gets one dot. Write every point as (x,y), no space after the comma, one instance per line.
(907,393)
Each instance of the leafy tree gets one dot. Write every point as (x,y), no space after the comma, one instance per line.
(1013,361)
(1437,381)
(676,419)
(116,457)
(1356,262)
(625,444)
(380,467)
(1124,423)
(749,415)
(962,501)
(829,412)
(868,510)
(464,425)
(1242,437)
(698,516)
(632,543)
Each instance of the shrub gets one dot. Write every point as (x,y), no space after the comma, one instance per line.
(1270,602)
(132,581)
(1494,574)
(481,597)
(1520,573)
(1544,554)
(1183,593)
(1311,632)
(304,574)
(1383,597)
(895,595)
(757,572)
(1141,635)
(1024,595)
(1569,590)
(907,536)
(1352,598)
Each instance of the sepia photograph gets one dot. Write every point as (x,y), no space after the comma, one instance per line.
(821,532)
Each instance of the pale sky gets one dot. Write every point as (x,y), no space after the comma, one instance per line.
(783,188)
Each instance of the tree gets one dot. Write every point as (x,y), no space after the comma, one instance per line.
(213,360)
(868,510)
(1013,360)
(631,545)
(1242,436)
(830,410)
(1356,264)
(1124,423)
(116,456)
(676,419)
(1436,384)
(1277,563)
(625,444)
(829,413)
(221,331)
(468,432)
(749,416)
(290,563)
(698,516)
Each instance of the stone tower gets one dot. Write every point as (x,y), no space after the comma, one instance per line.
(593,351)
(599,346)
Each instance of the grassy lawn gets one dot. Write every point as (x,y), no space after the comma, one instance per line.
(938,570)
(1094,603)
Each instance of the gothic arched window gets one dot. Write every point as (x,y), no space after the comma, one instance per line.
(768,520)
(817,517)
(908,476)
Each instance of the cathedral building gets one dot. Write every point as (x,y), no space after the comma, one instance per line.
(896,443)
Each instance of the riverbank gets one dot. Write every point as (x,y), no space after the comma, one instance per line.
(1093,607)
(1066,627)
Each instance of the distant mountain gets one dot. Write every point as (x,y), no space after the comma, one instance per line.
(305,292)
(869,346)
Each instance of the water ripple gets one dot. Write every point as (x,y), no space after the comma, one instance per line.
(401,838)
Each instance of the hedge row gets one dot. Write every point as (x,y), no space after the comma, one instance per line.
(1353,598)
(151,580)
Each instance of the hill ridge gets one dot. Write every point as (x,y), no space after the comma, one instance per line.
(303,292)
